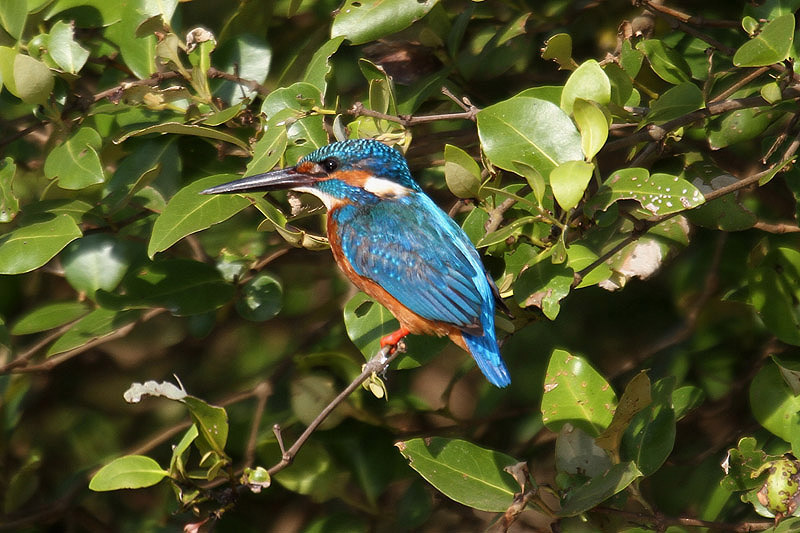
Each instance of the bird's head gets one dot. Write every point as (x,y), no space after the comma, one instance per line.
(352,171)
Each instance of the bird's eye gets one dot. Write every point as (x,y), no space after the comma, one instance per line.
(330,164)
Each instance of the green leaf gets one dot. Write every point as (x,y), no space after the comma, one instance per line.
(128,472)
(138,53)
(635,398)
(182,286)
(687,398)
(267,151)
(248,56)
(774,405)
(739,126)
(593,124)
(76,163)
(559,49)
(743,463)
(310,394)
(528,130)
(569,181)
(599,489)
(319,67)
(292,105)
(367,322)
(462,471)
(661,194)
(726,212)
(95,325)
(650,436)
(261,298)
(667,63)
(313,472)
(790,370)
(211,422)
(630,59)
(575,392)
(367,20)
(31,246)
(49,316)
(189,211)
(774,292)
(68,54)
(97,261)
(675,102)
(12,16)
(544,285)
(588,82)
(184,129)
(578,454)
(462,173)
(23,483)
(771,45)
(25,77)
(9,203)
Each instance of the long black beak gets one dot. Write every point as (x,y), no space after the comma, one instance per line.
(285,178)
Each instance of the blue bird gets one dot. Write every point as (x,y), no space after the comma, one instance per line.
(395,244)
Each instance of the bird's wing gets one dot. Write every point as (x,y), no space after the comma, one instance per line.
(421,258)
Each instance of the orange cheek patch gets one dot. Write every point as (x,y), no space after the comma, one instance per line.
(356,178)
(306,167)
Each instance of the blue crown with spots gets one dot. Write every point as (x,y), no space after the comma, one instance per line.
(370,155)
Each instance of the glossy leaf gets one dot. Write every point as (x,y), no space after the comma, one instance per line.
(182,286)
(97,324)
(211,422)
(68,54)
(9,203)
(559,49)
(593,125)
(49,316)
(367,20)
(661,194)
(97,261)
(366,322)
(675,102)
(774,291)
(76,163)
(128,472)
(462,173)
(12,16)
(599,489)
(635,398)
(247,55)
(650,437)
(463,471)
(771,45)
(738,126)
(319,68)
(532,131)
(665,61)
(189,211)
(587,82)
(185,129)
(544,285)
(268,150)
(569,181)
(261,298)
(31,246)
(774,404)
(575,393)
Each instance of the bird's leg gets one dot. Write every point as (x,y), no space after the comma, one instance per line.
(393,338)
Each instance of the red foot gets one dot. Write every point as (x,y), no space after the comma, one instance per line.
(393,338)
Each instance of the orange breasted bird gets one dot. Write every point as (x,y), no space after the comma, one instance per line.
(394,243)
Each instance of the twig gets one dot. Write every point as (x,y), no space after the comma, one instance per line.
(782,227)
(358,110)
(670,16)
(376,365)
(262,391)
(691,19)
(739,84)
(661,522)
(15,368)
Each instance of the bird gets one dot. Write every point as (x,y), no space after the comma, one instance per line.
(396,245)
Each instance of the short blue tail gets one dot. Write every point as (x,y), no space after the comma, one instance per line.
(486,353)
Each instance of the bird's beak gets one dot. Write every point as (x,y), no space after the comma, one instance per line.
(285,178)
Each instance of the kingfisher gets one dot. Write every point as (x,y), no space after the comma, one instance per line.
(395,244)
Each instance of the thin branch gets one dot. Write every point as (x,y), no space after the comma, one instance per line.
(677,24)
(691,19)
(781,227)
(376,365)
(654,132)
(47,365)
(358,110)
(661,522)
(262,391)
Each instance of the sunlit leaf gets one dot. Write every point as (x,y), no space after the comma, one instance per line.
(31,246)
(128,472)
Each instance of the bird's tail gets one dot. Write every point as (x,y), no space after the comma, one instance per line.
(486,353)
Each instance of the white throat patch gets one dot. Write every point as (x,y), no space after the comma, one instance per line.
(385,188)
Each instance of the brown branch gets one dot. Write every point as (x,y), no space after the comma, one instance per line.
(376,365)
(690,19)
(781,227)
(250,84)
(14,367)
(672,18)
(660,522)
(654,132)
(358,110)
(262,392)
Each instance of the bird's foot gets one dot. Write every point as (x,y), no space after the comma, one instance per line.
(392,340)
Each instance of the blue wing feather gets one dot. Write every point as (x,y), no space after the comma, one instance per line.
(418,255)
